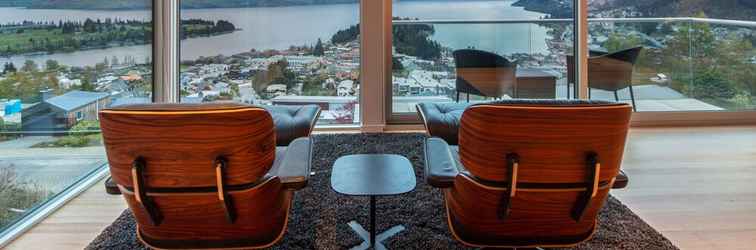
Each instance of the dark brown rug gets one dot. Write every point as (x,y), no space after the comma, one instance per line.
(319,216)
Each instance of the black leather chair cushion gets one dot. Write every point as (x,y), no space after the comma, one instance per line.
(442,119)
(293,122)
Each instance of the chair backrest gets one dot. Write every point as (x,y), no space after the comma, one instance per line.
(197,175)
(611,72)
(537,172)
(487,73)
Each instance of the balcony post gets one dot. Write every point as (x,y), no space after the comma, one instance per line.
(581,48)
(165,51)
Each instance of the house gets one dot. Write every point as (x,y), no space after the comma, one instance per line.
(346,88)
(64,111)
(10,114)
(66,83)
(276,89)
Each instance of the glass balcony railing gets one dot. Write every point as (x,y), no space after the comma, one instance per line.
(60,67)
(686,64)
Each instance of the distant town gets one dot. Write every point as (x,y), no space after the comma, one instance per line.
(327,73)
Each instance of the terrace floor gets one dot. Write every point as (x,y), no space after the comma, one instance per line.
(696,185)
(649,98)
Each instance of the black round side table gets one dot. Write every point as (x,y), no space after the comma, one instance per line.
(373,176)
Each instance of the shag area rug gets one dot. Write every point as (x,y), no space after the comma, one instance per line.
(319,216)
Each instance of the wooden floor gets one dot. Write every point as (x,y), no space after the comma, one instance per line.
(74,225)
(695,185)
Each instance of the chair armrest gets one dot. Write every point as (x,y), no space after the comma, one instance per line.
(293,122)
(111,187)
(294,169)
(440,165)
(622,181)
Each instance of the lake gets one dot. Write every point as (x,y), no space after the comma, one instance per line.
(281,27)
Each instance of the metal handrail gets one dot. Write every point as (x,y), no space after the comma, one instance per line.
(740,23)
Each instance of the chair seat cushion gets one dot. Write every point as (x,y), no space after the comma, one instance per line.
(293,122)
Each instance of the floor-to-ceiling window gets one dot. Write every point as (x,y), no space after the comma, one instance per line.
(693,55)
(471,51)
(273,53)
(60,63)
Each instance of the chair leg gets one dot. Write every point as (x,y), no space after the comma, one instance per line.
(457,96)
(468,97)
(632,98)
(616,97)
(589,93)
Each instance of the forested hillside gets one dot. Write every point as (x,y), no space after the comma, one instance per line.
(725,9)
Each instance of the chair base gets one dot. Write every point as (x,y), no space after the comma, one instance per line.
(365,236)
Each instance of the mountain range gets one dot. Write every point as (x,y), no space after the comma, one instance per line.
(143,4)
(724,9)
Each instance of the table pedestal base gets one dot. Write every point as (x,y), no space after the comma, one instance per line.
(365,235)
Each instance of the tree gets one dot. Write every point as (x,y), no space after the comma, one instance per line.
(52,65)
(414,40)
(347,35)
(29,66)
(90,26)
(114,61)
(707,66)
(223,26)
(9,68)
(711,84)
(397,64)
(86,85)
(53,79)
(619,41)
(319,50)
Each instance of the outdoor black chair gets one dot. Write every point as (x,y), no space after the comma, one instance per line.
(484,74)
(611,72)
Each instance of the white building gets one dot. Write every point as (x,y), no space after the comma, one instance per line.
(345,88)
(276,89)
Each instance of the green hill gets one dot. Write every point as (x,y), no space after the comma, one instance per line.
(725,9)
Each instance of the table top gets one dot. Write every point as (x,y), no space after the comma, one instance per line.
(534,73)
(373,175)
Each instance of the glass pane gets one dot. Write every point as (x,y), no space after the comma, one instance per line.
(702,61)
(483,50)
(288,54)
(61,64)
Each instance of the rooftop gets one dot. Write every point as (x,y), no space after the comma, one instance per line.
(76,99)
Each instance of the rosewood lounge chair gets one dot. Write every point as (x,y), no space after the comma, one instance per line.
(484,74)
(206,176)
(528,173)
(609,71)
